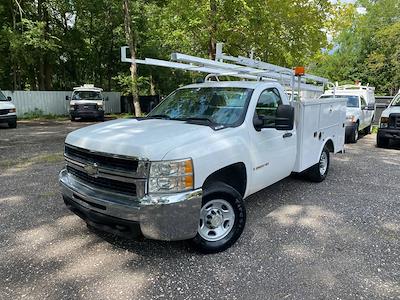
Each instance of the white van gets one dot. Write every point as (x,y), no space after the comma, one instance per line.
(87,101)
(360,110)
(8,112)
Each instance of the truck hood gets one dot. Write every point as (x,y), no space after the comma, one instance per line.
(6,105)
(391,110)
(147,139)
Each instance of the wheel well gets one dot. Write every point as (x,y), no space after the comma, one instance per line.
(330,146)
(233,175)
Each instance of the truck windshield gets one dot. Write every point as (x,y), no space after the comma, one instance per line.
(352,101)
(86,95)
(219,105)
(396,101)
(2,97)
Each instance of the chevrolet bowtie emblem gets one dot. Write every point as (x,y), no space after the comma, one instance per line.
(92,169)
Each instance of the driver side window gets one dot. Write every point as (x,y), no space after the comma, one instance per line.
(267,105)
(363,103)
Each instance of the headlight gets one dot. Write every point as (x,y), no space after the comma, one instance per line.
(12,110)
(384,122)
(100,106)
(72,107)
(171,176)
(351,118)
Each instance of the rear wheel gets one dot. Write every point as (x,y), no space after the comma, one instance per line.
(319,171)
(367,130)
(222,219)
(382,142)
(72,118)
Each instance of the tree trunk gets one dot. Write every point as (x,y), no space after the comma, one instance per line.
(152,85)
(212,29)
(131,41)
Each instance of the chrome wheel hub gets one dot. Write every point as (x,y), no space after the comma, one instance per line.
(216,220)
(323,163)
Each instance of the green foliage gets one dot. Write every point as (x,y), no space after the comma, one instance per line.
(61,44)
(366,48)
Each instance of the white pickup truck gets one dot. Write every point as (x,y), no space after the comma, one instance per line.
(8,112)
(360,108)
(183,171)
(389,123)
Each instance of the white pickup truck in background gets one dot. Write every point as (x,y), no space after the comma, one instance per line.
(8,112)
(389,123)
(360,108)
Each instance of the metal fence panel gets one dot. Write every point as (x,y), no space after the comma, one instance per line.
(53,102)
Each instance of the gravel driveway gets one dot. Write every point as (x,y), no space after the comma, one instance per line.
(335,240)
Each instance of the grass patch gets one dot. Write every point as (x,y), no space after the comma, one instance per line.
(119,116)
(38,114)
(374,129)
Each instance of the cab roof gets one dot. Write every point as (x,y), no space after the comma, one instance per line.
(237,84)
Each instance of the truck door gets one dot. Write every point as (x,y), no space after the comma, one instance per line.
(364,122)
(273,151)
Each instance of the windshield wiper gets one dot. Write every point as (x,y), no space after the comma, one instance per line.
(203,120)
(159,117)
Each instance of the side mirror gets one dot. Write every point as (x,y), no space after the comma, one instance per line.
(107,99)
(9,98)
(284,117)
(371,106)
(258,122)
(67,98)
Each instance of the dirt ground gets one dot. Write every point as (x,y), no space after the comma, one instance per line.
(339,239)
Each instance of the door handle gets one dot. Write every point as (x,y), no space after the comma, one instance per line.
(287,134)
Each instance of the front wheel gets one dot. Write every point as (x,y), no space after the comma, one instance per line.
(319,171)
(12,124)
(222,219)
(354,135)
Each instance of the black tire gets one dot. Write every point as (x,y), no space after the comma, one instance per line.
(218,191)
(314,173)
(101,119)
(72,118)
(12,124)
(382,142)
(354,135)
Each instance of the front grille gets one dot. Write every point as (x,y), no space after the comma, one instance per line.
(4,111)
(104,161)
(86,107)
(394,120)
(120,187)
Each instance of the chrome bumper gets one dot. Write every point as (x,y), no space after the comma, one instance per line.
(161,217)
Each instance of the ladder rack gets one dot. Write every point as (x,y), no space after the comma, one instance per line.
(240,67)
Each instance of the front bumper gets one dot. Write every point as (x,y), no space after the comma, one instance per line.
(8,118)
(389,133)
(161,217)
(87,113)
